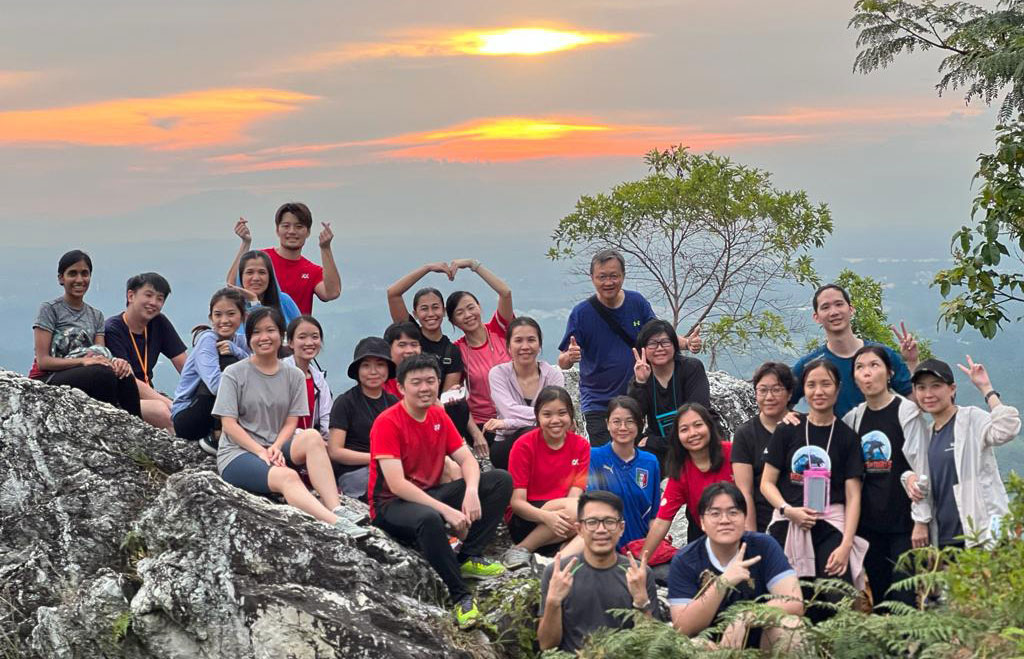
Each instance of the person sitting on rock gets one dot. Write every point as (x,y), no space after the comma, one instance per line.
(306,339)
(579,593)
(697,458)
(139,335)
(69,342)
(214,348)
(403,339)
(731,565)
(549,468)
(260,402)
(354,412)
(408,445)
(630,473)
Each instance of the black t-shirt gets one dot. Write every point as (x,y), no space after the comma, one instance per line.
(885,506)
(445,351)
(750,446)
(790,452)
(689,384)
(354,412)
(160,338)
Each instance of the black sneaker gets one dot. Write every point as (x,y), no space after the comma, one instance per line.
(209,444)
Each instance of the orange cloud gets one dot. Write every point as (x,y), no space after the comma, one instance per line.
(509,139)
(521,41)
(14,78)
(181,121)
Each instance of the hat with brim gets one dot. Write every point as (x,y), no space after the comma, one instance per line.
(371,346)
(939,369)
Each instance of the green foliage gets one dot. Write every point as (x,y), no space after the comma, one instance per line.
(121,626)
(710,239)
(870,322)
(984,48)
(991,284)
(515,605)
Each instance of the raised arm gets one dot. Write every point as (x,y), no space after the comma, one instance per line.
(492,280)
(330,288)
(243,233)
(396,291)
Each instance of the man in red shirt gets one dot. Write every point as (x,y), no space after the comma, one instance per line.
(298,276)
(408,445)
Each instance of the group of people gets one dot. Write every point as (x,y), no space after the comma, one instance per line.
(882,461)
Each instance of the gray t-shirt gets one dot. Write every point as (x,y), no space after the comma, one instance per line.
(71,328)
(594,592)
(262,404)
(942,467)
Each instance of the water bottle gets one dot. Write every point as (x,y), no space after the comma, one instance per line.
(922,484)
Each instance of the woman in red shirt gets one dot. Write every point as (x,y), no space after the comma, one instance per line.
(549,468)
(698,459)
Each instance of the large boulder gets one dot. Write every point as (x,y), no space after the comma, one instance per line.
(120,541)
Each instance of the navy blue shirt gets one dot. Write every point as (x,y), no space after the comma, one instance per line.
(695,565)
(637,483)
(942,466)
(160,338)
(849,395)
(606,366)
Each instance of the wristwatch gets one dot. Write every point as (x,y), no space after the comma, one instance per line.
(642,607)
(782,509)
(992,393)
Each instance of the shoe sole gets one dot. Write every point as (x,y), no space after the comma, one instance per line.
(481,577)
(207,449)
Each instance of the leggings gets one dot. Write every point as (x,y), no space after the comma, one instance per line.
(422,526)
(597,427)
(100,382)
(502,448)
(825,538)
(197,421)
(884,550)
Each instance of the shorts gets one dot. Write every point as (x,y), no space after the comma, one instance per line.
(250,473)
(519,528)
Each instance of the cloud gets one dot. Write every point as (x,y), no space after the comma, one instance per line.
(180,121)
(521,41)
(809,116)
(10,79)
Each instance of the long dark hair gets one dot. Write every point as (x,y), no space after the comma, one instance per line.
(453,301)
(677,455)
(271,298)
(230,294)
(552,393)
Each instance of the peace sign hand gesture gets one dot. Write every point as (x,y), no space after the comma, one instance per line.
(561,580)
(636,577)
(641,369)
(908,344)
(978,375)
(738,569)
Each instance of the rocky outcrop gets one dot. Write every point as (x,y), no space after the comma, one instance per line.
(118,540)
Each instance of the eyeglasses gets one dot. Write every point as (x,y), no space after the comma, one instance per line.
(716,514)
(774,391)
(607,278)
(654,345)
(622,423)
(610,523)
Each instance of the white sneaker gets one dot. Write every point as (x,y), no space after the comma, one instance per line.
(516,557)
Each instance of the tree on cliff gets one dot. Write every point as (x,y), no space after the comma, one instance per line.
(711,241)
(984,54)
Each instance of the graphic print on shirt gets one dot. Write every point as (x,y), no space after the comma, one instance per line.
(877,451)
(808,457)
(642,477)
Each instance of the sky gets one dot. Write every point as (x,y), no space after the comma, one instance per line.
(141,131)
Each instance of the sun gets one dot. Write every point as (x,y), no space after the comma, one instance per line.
(529,41)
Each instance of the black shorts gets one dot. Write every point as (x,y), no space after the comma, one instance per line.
(519,528)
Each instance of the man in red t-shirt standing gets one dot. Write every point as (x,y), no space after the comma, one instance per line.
(298,276)
(408,445)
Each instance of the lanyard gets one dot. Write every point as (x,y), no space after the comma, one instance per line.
(807,433)
(143,362)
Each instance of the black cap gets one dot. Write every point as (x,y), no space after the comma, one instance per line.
(371,346)
(934,367)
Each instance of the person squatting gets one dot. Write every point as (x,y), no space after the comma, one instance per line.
(447,440)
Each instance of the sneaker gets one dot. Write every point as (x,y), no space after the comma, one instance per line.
(209,444)
(516,557)
(348,527)
(478,567)
(466,613)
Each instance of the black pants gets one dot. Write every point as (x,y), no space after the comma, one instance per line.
(501,449)
(826,539)
(658,446)
(197,421)
(422,526)
(597,428)
(100,382)
(880,563)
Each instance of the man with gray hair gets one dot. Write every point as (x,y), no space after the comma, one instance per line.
(601,334)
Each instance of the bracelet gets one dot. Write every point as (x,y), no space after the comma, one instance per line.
(475,265)
(642,607)
(992,393)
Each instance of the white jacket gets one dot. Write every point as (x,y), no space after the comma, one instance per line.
(321,412)
(980,495)
(915,433)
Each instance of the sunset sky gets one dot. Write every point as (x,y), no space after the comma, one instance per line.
(174,119)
